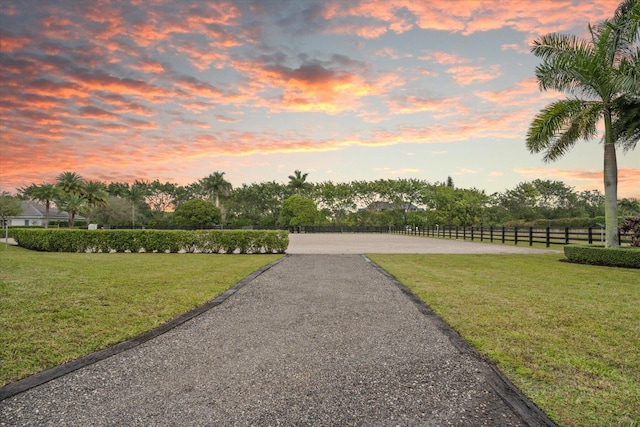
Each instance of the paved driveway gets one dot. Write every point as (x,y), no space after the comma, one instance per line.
(361,243)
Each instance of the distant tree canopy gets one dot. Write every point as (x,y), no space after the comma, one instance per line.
(383,202)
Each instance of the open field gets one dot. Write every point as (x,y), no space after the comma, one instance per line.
(56,307)
(567,335)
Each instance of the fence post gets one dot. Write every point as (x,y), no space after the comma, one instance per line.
(566,235)
(481,234)
(491,234)
(590,231)
(515,236)
(472,233)
(530,236)
(548,236)
(464,232)
(503,234)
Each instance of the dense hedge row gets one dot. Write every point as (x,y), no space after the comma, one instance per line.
(205,241)
(598,255)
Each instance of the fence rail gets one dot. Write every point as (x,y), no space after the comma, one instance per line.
(544,235)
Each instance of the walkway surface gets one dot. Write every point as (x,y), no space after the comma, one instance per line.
(312,340)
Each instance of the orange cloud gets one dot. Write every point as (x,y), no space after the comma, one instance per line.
(10,42)
(466,16)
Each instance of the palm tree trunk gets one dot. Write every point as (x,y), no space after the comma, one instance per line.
(47,205)
(610,186)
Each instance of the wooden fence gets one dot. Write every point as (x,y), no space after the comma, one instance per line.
(544,235)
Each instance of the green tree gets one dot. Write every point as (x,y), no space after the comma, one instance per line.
(136,195)
(73,204)
(70,183)
(337,198)
(595,73)
(117,212)
(197,213)
(298,182)
(9,206)
(299,211)
(629,207)
(96,195)
(214,186)
(43,193)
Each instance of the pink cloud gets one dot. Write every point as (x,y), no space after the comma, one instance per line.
(444,58)
(467,75)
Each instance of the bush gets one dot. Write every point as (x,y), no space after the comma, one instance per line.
(632,226)
(207,241)
(598,255)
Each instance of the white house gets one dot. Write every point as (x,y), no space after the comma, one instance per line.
(34,214)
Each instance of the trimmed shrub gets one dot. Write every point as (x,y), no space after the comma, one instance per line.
(598,255)
(173,241)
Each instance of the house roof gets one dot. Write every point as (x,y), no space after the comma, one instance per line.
(33,210)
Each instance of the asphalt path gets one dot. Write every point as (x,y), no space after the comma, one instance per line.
(315,339)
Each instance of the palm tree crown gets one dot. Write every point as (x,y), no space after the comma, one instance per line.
(70,183)
(214,186)
(297,181)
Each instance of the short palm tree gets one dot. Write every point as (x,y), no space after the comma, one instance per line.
(595,73)
(43,193)
(70,183)
(73,204)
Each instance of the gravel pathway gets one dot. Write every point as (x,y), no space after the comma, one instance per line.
(381,243)
(315,340)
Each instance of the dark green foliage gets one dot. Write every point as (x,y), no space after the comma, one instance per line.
(197,213)
(632,226)
(598,255)
(299,211)
(206,241)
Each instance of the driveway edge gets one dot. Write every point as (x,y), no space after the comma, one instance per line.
(522,405)
(42,377)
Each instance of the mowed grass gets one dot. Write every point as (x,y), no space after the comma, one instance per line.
(566,335)
(56,307)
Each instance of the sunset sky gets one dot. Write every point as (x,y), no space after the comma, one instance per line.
(343,90)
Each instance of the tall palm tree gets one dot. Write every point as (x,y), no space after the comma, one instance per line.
(298,183)
(590,71)
(43,193)
(214,186)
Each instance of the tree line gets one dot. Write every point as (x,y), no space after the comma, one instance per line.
(383,202)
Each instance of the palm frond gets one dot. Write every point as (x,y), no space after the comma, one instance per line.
(626,125)
(560,125)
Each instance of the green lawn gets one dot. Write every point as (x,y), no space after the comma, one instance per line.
(56,307)
(567,335)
